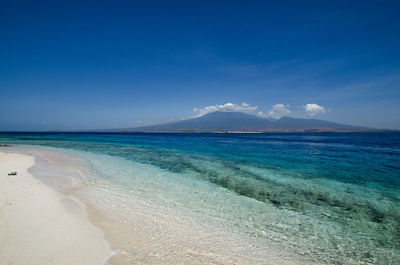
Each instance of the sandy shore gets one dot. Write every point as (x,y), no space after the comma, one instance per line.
(39,225)
(61,212)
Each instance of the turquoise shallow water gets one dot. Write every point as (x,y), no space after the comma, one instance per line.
(334,198)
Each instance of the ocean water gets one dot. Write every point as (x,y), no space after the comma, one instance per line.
(331,198)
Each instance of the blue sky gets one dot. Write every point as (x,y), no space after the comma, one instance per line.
(108,64)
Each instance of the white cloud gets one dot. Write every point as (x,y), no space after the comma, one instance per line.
(244,107)
(278,111)
(313,109)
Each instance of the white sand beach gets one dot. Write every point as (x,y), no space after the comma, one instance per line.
(38,225)
(53,214)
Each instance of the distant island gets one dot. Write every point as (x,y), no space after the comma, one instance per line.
(239,122)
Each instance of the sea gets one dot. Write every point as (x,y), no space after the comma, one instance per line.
(330,198)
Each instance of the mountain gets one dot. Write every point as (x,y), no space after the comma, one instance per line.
(238,121)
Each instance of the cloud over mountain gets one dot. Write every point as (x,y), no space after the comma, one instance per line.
(313,109)
(278,111)
(227,107)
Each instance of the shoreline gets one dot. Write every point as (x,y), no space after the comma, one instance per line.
(181,200)
(143,232)
(39,225)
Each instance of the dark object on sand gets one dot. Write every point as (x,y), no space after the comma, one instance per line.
(4,145)
(13,173)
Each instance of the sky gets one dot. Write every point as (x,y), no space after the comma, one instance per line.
(77,65)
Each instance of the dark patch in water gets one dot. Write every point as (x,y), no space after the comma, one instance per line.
(275,202)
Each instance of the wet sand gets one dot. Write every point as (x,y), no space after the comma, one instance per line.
(39,225)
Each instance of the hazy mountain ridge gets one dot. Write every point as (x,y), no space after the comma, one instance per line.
(238,121)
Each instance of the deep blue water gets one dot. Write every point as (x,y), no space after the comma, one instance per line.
(346,180)
(351,157)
